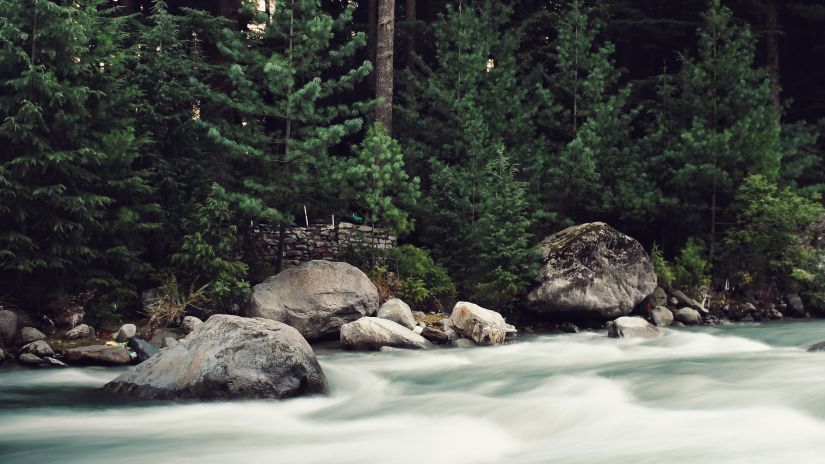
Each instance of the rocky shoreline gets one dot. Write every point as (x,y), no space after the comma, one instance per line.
(592,276)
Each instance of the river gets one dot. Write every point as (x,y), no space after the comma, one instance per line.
(734,394)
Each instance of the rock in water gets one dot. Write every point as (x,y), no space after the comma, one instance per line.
(8,327)
(228,357)
(38,348)
(317,298)
(688,316)
(661,316)
(81,331)
(98,355)
(591,271)
(126,332)
(817,347)
(436,336)
(30,334)
(398,311)
(795,308)
(631,327)
(30,360)
(372,333)
(483,326)
(190,323)
(143,349)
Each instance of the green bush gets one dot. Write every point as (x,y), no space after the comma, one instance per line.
(691,269)
(663,269)
(420,279)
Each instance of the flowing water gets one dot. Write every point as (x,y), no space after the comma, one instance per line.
(736,394)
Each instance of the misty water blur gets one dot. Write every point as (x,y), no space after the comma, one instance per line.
(736,394)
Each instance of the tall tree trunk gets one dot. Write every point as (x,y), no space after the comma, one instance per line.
(411,17)
(372,28)
(772,47)
(384,62)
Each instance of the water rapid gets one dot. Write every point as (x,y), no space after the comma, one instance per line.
(737,394)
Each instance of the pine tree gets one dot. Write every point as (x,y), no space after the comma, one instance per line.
(73,204)
(726,123)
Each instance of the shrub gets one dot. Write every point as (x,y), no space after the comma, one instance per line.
(421,280)
(663,269)
(172,304)
(691,268)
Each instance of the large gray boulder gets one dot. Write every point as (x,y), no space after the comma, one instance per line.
(373,333)
(38,348)
(481,325)
(631,327)
(98,355)
(591,271)
(228,357)
(795,307)
(8,327)
(317,298)
(397,311)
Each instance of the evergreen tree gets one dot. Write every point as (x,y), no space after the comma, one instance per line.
(72,200)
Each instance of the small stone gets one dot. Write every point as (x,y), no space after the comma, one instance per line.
(398,311)
(688,316)
(30,334)
(661,316)
(673,301)
(418,329)
(81,331)
(143,349)
(436,336)
(29,359)
(569,327)
(126,332)
(98,355)
(190,323)
(54,362)
(38,348)
(631,327)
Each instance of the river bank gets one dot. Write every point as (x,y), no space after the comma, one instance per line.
(741,393)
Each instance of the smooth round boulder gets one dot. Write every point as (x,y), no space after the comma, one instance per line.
(79,332)
(38,348)
(8,327)
(317,298)
(590,272)
(483,326)
(190,323)
(794,307)
(661,316)
(30,334)
(126,333)
(688,316)
(98,355)
(373,333)
(30,359)
(397,311)
(631,327)
(228,357)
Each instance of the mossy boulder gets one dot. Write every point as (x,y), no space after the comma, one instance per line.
(591,272)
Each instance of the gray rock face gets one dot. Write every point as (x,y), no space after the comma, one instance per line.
(30,334)
(317,298)
(397,311)
(80,331)
(228,357)
(372,333)
(143,349)
(795,307)
(591,271)
(38,348)
(51,362)
(29,359)
(8,327)
(98,355)
(190,323)
(688,316)
(481,325)
(169,341)
(436,336)
(126,333)
(631,327)
(661,316)
(659,296)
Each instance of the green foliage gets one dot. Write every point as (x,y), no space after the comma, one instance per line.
(663,269)
(691,269)
(422,280)
(768,241)
(208,253)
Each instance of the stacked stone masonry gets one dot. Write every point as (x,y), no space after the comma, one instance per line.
(322,241)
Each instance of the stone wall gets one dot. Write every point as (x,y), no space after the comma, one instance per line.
(322,241)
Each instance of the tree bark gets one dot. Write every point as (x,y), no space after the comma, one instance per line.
(372,27)
(772,47)
(384,63)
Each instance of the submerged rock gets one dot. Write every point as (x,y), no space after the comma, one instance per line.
(126,333)
(80,331)
(661,316)
(372,333)
(52,362)
(591,271)
(98,355)
(316,298)
(228,357)
(631,327)
(483,326)
(688,316)
(398,311)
